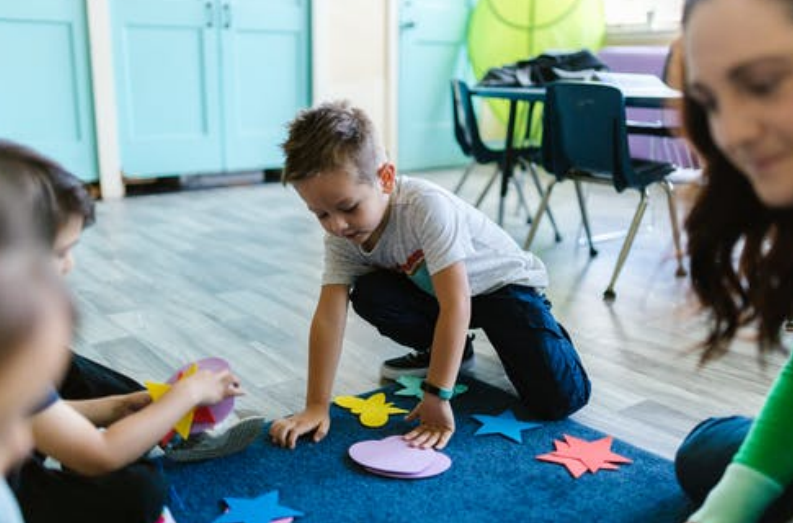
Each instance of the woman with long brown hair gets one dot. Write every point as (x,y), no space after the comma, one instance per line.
(739,115)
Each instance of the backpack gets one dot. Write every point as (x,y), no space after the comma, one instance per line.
(541,69)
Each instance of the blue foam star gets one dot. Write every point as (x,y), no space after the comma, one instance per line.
(504,424)
(263,509)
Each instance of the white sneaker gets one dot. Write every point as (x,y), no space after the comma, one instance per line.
(209,446)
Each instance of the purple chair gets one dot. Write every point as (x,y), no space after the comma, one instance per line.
(649,60)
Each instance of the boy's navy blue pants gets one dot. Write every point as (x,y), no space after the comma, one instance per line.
(534,348)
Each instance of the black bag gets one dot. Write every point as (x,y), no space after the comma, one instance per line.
(540,69)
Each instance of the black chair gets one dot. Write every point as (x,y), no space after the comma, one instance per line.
(466,131)
(585,140)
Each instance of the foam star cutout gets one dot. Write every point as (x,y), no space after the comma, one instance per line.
(594,454)
(412,386)
(158,390)
(579,456)
(504,424)
(373,411)
(575,467)
(263,509)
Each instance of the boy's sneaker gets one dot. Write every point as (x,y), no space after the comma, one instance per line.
(416,363)
(209,446)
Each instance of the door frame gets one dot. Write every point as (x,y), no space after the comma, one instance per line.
(108,153)
(392,81)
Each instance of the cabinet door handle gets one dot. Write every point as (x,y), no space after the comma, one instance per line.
(209,13)
(227,15)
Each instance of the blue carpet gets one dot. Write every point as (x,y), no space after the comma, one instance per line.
(491,479)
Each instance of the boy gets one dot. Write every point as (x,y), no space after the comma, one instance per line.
(100,394)
(423,267)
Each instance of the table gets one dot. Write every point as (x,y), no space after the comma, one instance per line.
(653,98)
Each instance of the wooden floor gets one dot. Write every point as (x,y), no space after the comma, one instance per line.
(233,272)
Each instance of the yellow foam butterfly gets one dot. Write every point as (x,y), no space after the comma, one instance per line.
(373,411)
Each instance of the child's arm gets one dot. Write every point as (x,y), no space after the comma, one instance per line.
(324,349)
(435,414)
(106,411)
(61,432)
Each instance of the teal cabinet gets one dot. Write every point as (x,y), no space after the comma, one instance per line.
(45,94)
(431,53)
(166,72)
(266,73)
(206,86)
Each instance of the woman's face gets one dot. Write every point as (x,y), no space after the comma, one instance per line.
(739,60)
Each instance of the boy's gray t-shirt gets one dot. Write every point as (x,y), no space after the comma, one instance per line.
(428,230)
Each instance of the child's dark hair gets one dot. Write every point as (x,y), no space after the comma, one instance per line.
(54,195)
(331,136)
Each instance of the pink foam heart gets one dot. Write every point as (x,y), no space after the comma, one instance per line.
(392,454)
(440,464)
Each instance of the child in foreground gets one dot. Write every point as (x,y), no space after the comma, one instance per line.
(104,475)
(35,328)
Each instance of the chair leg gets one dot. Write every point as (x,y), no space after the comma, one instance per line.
(536,221)
(464,177)
(670,196)
(523,202)
(535,177)
(585,217)
(489,184)
(609,294)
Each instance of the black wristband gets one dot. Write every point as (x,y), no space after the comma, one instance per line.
(444,394)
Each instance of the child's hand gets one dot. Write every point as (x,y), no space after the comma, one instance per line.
(437,423)
(210,387)
(284,432)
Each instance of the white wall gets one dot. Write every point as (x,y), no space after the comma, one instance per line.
(353,59)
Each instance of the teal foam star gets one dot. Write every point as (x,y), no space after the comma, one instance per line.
(263,509)
(412,386)
(504,424)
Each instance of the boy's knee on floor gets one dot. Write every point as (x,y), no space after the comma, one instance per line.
(564,389)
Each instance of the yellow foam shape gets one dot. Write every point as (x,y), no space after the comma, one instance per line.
(373,411)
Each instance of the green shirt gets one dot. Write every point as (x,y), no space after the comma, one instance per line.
(763,466)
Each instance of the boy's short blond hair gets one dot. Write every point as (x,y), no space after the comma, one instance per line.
(330,137)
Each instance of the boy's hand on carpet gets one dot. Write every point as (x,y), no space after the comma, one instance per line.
(285,432)
(436,423)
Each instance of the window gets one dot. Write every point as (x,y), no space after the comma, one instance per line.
(643,15)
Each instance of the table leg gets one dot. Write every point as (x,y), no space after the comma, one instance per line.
(509,160)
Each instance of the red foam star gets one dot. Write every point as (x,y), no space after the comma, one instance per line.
(574,467)
(579,455)
(203,415)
